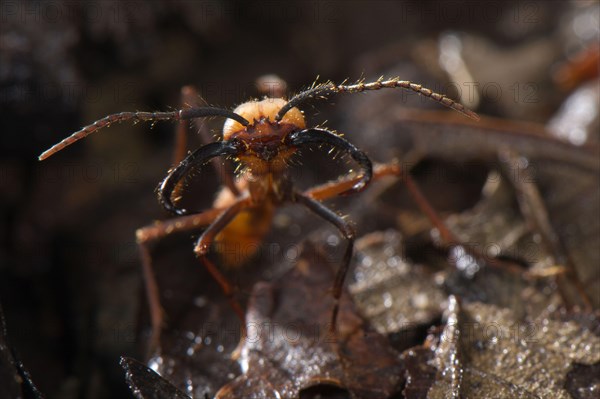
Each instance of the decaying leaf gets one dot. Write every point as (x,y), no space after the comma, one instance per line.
(583,381)
(145,383)
(9,378)
(289,347)
(495,227)
(566,175)
(15,381)
(572,198)
(395,295)
(484,351)
(448,357)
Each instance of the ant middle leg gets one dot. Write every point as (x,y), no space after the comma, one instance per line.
(335,188)
(332,189)
(447,236)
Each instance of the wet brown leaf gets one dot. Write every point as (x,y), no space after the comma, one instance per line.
(420,374)
(496,228)
(421,377)
(448,357)
(145,383)
(485,352)
(535,356)
(289,347)
(583,381)
(395,295)
(15,381)
(572,198)
(9,378)
(566,176)
(589,321)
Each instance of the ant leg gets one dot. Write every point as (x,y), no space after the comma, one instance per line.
(146,236)
(448,237)
(271,86)
(348,233)
(202,249)
(333,189)
(152,296)
(189,98)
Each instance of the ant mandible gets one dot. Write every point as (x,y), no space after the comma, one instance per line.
(260,135)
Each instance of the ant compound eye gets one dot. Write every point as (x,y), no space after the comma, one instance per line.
(237,143)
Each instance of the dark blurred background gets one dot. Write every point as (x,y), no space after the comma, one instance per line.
(69,272)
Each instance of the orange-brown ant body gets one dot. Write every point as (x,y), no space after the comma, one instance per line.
(261,135)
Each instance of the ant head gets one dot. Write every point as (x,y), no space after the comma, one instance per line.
(266,109)
(264,137)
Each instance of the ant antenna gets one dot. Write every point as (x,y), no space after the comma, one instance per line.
(183,114)
(326,89)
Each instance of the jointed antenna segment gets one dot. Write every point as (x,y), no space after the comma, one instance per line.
(140,116)
(327,89)
(105,122)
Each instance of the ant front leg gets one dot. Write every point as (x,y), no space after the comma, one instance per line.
(348,232)
(190,99)
(151,234)
(202,249)
(335,188)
